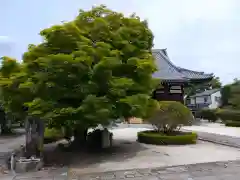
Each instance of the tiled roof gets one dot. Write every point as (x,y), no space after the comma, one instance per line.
(206,93)
(194,74)
(169,72)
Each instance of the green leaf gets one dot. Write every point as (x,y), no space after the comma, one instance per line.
(85,72)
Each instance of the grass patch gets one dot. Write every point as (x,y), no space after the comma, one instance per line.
(174,138)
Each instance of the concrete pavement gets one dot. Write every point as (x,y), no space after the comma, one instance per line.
(9,144)
(205,171)
(228,170)
(212,132)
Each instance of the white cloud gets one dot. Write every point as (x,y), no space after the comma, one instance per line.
(206,9)
(6,46)
(4,38)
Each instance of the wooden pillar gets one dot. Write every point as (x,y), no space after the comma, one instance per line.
(182,94)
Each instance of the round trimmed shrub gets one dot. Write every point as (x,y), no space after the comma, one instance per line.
(170,116)
(174,138)
(232,123)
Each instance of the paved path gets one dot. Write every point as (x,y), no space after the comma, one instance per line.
(217,133)
(9,144)
(205,171)
(217,128)
(212,132)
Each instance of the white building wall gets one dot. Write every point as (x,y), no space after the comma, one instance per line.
(192,101)
(216,100)
(203,100)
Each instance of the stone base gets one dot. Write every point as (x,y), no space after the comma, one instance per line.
(27,165)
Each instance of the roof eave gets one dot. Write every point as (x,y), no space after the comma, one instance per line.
(185,81)
(209,94)
(185,75)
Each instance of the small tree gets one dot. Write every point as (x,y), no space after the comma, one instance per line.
(231,95)
(234,99)
(171,116)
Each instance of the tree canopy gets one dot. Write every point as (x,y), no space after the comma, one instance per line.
(85,72)
(231,95)
(196,88)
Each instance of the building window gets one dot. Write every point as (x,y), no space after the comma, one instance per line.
(160,91)
(217,99)
(176,89)
(205,99)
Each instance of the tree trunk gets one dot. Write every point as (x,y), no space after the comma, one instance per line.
(40,141)
(5,125)
(80,137)
(30,131)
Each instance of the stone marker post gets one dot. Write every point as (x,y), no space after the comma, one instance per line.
(34,137)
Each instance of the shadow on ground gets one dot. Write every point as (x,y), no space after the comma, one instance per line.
(121,151)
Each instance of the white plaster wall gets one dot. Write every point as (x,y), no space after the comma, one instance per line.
(215,104)
(192,100)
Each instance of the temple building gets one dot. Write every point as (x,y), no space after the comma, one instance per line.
(173,78)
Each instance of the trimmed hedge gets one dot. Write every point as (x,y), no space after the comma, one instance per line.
(232,123)
(52,135)
(209,114)
(226,114)
(158,138)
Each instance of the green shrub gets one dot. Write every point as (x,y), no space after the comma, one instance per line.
(232,123)
(227,114)
(171,116)
(158,138)
(52,135)
(209,114)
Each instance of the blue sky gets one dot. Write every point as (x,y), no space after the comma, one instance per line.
(201,35)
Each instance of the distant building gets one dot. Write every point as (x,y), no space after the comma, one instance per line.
(174,78)
(207,99)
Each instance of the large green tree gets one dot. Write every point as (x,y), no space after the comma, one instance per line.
(85,72)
